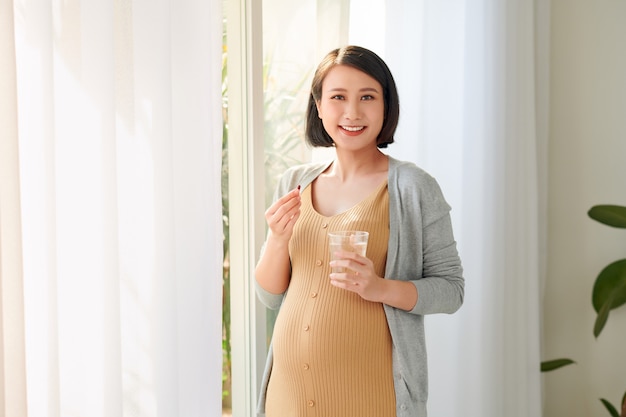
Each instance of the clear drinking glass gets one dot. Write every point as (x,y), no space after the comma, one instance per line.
(347,241)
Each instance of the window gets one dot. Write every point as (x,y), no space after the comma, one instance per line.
(268,80)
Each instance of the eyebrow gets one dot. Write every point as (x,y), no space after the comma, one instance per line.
(362,90)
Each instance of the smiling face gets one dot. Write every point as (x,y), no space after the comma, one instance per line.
(351,107)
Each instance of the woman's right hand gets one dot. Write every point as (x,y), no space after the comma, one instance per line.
(282,215)
(273,271)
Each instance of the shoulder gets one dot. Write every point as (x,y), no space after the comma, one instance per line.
(412,186)
(302,175)
(408,175)
(303,170)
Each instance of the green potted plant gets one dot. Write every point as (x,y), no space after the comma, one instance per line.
(609,289)
(609,292)
(613,410)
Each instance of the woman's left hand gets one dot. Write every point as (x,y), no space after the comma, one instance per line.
(359,276)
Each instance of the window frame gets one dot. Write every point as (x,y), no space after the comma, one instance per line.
(246,199)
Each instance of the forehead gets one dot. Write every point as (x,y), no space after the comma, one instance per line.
(347,77)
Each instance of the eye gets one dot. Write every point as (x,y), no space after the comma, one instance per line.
(337,97)
(367,97)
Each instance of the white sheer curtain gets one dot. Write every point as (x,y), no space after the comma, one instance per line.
(472,79)
(110,214)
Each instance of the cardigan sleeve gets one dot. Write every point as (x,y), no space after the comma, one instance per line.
(422,248)
(441,287)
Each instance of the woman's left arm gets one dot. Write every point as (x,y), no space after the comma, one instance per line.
(361,279)
(441,287)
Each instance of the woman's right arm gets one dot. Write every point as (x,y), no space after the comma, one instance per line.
(273,271)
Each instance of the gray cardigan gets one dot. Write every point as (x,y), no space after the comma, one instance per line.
(421,250)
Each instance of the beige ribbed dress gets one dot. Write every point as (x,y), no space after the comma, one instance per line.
(332,349)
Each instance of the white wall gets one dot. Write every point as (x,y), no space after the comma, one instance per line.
(587,166)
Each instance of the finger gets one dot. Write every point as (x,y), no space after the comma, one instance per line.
(286,219)
(360,265)
(284,209)
(343,277)
(353,256)
(345,283)
(290,196)
(292,220)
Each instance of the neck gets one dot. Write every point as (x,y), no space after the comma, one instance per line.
(349,165)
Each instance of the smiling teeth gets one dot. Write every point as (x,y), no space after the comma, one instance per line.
(353,128)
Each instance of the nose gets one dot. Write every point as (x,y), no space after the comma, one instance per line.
(352,110)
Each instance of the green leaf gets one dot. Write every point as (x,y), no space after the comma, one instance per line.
(611,215)
(547,366)
(603,316)
(610,407)
(611,282)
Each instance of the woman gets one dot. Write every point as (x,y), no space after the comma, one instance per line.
(352,343)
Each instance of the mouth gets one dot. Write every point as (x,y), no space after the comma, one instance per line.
(353,128)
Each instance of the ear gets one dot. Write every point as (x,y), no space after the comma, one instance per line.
(317,106)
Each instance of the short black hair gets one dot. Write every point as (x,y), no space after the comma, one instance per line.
(368,62)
